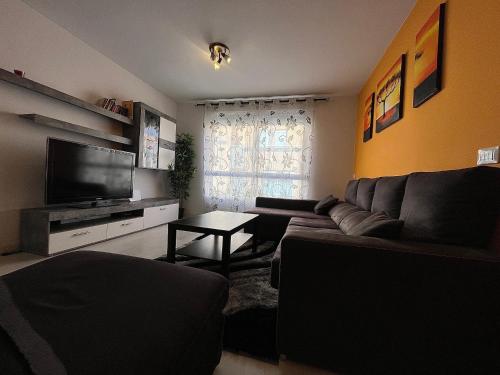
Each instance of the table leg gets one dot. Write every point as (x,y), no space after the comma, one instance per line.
(226,249)
(255,241)
(172,234)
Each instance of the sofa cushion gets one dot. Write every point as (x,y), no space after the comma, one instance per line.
(313,223)
(377,225)
(351,191)
(342,210)
(285,213)
(353,219)
(388,195)
(364,196)
(324,205)
(453,207)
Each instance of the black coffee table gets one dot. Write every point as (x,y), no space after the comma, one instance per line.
(222,240)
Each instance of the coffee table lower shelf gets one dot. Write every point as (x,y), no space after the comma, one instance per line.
(210,247)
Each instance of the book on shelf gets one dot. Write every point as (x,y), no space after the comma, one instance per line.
(128,106)
(125,109)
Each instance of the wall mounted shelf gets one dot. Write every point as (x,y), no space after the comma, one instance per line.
(55,94)
(52,122)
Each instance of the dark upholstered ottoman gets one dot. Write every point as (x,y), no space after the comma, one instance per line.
(96,313)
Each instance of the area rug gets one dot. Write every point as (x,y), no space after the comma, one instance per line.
(252,306)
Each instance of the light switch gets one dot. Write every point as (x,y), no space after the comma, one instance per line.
(487,155)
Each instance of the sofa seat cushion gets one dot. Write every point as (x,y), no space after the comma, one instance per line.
(364,196)
(340,211)
(285,213)
(313,223)
(389,192)
(353,219)
(451,207)
(377,225)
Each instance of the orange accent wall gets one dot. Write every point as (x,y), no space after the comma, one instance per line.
(446,131)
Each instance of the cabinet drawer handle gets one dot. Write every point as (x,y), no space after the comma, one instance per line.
(80,234)
(163,208)
(125,224)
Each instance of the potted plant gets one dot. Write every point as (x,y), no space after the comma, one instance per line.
(184,170)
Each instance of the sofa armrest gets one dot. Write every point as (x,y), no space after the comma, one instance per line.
(357,304)
(286,204)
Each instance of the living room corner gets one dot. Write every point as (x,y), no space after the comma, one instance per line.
(240,187)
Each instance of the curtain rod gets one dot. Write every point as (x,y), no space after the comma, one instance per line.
(264,99)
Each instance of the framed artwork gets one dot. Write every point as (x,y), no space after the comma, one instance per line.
(389,97)
(368,118)
(428,58)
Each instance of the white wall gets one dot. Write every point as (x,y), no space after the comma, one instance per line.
(51,55)
(190,120)
(333,149)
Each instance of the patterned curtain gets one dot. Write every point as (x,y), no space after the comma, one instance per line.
(257,149)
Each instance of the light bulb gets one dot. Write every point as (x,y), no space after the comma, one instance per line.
(216,66)
(228,59)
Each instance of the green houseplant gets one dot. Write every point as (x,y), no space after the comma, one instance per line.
(182,174)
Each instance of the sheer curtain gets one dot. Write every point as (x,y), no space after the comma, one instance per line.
(256,149)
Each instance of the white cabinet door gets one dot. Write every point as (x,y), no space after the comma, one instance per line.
(76,238)
(154,216)
(166,158)
(167,130)
(119,228)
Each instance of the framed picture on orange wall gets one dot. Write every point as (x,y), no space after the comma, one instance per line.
(428,58)
(368,118)
(389,97)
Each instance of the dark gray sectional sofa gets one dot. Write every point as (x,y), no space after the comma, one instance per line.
(425,300)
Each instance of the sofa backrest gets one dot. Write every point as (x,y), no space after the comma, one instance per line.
(351,191)
(364,195)
(388,195)
(452,207)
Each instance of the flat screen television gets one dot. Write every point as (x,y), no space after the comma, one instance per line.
(84,173)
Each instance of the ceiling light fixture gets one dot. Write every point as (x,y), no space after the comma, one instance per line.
(219,52)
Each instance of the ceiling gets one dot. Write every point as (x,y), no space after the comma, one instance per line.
(278,47)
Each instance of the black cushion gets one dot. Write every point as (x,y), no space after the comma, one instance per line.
(324,205)
(351,191)
(388,195)
(377,225)
(353,219)
(364,196)
(342,210)
(453,207)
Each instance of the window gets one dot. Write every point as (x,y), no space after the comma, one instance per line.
(256,150)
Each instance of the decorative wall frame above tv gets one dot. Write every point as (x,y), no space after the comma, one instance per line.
(389,95)
(427,69)
(368,118)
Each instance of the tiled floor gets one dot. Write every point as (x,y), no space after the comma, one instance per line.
(151,244)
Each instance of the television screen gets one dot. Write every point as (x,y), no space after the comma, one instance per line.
(82,173)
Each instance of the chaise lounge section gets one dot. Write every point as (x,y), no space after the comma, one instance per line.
(422,299)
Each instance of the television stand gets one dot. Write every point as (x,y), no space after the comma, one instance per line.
(51,230)
(96,204)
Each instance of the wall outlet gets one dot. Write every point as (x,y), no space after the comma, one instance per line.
(487,155)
